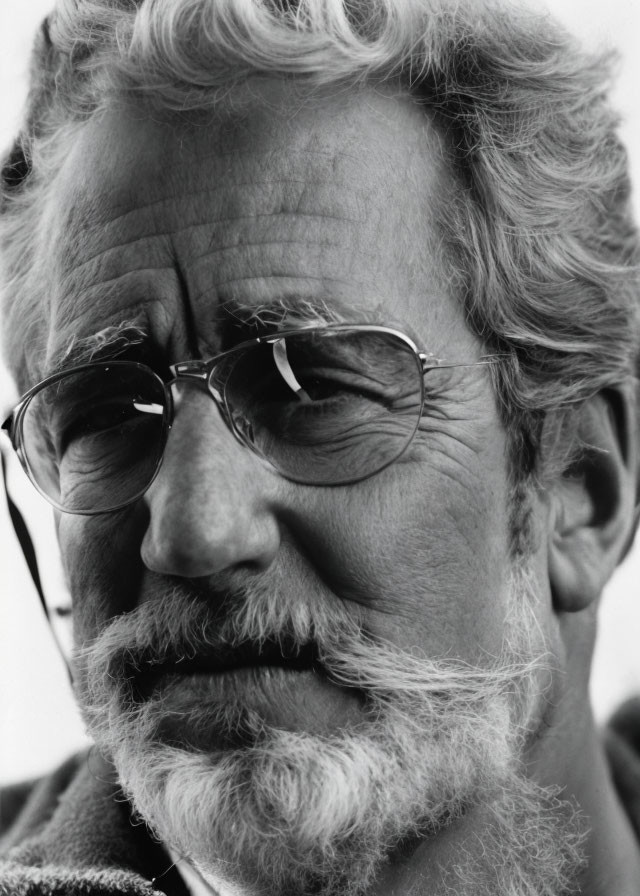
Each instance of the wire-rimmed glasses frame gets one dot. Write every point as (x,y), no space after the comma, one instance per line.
(216,376)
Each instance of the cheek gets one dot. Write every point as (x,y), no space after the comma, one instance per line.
(101,558)
(427,558)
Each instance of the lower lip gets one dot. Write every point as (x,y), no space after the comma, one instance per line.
(288,699)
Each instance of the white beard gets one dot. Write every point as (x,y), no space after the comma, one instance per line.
(296,813)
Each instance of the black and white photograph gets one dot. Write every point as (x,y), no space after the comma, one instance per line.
(320,442)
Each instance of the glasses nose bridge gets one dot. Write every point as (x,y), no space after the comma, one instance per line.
(198,373)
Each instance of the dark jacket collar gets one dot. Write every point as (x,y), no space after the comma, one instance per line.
(85,842)
(622,742)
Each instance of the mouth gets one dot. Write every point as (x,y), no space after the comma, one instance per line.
(224,659)
(283,683)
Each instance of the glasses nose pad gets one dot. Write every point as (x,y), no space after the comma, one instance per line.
(215,393)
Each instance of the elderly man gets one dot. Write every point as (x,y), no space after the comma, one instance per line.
(327,320)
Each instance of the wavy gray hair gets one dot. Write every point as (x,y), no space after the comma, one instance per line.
(540,241)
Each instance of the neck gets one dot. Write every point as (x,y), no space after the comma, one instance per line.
(474,855)
(572,752)
(487,852)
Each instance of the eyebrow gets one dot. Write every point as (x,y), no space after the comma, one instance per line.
(115,340)
(103,345)
(292,311)
(285,311)
(289,311)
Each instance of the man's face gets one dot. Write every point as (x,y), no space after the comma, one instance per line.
(199,233)
(288,209)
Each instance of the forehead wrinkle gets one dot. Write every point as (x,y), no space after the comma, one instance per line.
(104,282)
(263,181)
(296,278)
(174,202)
(239,247)
(108,198)
(266,262)
(328,155)
(106,201)
(126,244)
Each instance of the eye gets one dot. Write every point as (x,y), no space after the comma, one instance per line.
(329,368)
(318,384)
(97,405)
(97,418)
(95,435)
(101,416)
(332,394)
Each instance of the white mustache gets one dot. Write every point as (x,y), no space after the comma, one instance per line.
(179,625)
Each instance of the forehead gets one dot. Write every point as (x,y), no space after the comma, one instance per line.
(279,205)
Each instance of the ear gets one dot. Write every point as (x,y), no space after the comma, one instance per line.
(593,500)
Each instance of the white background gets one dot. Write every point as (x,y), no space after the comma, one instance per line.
(38,722)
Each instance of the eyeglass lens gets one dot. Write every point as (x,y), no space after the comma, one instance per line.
(324,407)
(327,407)
(93,439)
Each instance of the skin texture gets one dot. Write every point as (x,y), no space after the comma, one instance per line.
(248,232)
(190,230)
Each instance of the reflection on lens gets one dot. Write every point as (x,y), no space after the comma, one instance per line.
(327,407)
(94,437)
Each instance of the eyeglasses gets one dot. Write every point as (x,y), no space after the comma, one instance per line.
(328,405)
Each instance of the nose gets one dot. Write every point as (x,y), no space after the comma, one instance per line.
(211,507)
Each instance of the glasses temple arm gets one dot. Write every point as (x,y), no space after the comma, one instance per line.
(428,362)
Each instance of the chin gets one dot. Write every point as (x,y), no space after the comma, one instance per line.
(294,812)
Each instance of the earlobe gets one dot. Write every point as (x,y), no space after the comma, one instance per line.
(593,501)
